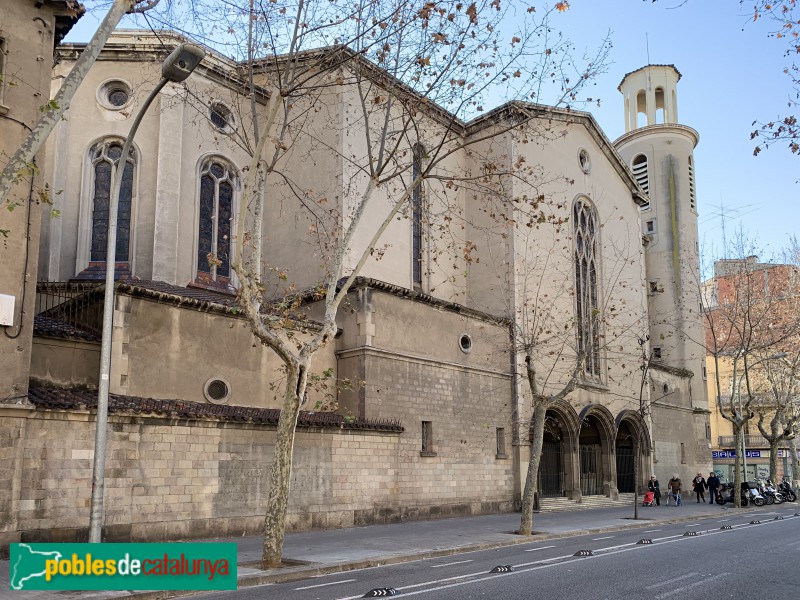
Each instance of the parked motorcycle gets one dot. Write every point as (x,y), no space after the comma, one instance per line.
(750,488)
(785,488)
(771,495)
(725,494)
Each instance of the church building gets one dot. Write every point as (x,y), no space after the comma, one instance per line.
(421,408)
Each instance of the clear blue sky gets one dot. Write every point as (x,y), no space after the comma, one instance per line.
(732,75)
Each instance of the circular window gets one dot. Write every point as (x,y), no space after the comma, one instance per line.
(220,116)
(465,343)
(585,162)
(217,390)
(665,387)
(114,94)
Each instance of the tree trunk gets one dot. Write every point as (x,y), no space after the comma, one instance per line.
(531,479)
(737,467)
(281,475)
(23,157)
(773,461)
(795,473)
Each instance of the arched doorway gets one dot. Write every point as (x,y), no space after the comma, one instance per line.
(591,450)
(624,450)
(551,465)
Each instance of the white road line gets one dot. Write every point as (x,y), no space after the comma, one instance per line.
(544,561)
(615,547)
(652,530)
(694,525)
(670,581)
(608,537)
(458,562)
(701,581)
(793,543)
(539,548)
(319,585)
(723,520)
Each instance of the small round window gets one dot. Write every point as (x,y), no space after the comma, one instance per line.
(585,162)
(465,343)
(217,390)
(114,94)
(665,388)
(220,116)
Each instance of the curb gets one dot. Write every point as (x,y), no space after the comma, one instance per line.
(298,573)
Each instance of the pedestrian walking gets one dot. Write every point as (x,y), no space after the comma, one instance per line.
(675,490)
(713,485)
(652,486)
(699,486)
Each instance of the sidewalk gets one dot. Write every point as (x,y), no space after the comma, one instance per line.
(318,552)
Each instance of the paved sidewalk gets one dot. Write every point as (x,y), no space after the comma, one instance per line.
(317,552)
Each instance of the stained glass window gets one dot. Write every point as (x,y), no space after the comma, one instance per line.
(217,184)
(416,217)
(585,231)
(104,156)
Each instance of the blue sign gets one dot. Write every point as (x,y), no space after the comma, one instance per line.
(732,454)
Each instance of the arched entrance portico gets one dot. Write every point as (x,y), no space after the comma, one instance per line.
(557,467)
(596,429)
(632,447)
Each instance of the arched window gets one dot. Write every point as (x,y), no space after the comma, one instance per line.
(217,185)
(104,156)
(586,276)
(639,167)
(416,217)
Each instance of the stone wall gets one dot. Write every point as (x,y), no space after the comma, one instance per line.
(170,479)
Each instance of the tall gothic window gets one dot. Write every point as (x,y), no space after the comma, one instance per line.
(104,156)
(585,230)
(217,185)
(416,217)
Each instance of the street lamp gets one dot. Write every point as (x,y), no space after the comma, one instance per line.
(741,412)
(176,68)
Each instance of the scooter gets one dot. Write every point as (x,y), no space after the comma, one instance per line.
(771,495)
(786,489)
(750,488)
(725,494)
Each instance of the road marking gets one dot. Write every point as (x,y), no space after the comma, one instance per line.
(539,548)
(308,587)
(452,582)
(615,547)
(670,581)
(701,581)
(608,537)
(694,525)
(652,530)
(458,562)
(723,520)
(793,543)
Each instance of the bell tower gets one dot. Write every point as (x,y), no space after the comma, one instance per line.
(659,152)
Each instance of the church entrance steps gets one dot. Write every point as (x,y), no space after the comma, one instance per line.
(587,502)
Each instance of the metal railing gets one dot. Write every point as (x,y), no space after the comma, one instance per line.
(750,441)
(70,304)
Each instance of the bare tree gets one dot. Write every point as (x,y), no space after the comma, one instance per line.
(406,76)
(751,316)
(20,165)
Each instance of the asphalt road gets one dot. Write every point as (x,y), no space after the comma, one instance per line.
(745,561)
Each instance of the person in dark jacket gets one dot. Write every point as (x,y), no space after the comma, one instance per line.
(713,485)
(699,486)
(652,486)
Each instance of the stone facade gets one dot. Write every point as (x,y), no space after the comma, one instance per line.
(436,355)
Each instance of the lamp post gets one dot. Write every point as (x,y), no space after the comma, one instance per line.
(741,412)
(176,68)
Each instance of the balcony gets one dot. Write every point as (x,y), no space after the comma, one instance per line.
(750,442)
